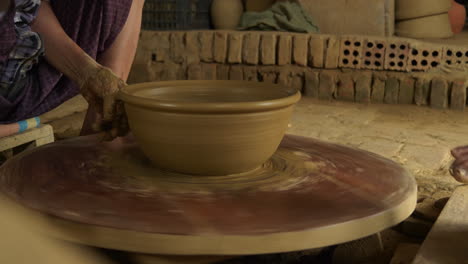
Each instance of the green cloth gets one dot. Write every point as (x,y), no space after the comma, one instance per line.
(282,16)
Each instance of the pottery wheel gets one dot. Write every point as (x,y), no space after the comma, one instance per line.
(310,194)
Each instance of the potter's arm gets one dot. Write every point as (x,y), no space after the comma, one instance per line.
(60,50)
(97,84)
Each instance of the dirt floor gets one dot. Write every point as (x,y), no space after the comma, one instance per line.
(419,138)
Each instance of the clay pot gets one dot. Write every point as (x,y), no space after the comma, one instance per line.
(437,26)
(226,14)
(208,127)
(258,5)
(408,9)
(457,15)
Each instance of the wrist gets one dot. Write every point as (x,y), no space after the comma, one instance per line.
(81,68)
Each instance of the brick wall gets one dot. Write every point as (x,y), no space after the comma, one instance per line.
(352,68)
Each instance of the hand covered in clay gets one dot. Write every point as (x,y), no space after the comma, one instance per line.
(100,88)
(459,168)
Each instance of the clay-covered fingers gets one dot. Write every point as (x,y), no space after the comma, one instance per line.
(459,167)
(459,170)
(459,152)
(119,126)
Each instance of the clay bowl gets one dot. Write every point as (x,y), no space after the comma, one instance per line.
(209,127)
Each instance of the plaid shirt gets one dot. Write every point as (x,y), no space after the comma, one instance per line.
(28,47)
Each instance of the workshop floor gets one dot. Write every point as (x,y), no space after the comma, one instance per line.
(419,138)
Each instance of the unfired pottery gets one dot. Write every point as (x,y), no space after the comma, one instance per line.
(209,127)
(310,194)
(258,5)
(437,26)
(226,14)
(408,9)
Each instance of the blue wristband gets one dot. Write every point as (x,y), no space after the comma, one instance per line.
(23,125)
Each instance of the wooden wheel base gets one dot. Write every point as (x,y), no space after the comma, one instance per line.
(310,194)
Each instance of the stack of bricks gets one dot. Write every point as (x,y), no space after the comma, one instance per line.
(351,68)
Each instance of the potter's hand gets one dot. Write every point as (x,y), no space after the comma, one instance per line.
(100,88)
(459,168)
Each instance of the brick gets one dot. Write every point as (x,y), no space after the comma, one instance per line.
(161,51)
(424,57)
(392,86)
(378,90)
(396,55)
(250,51)
(208,71)
(268,75)
(351,52)
(406,94)
(220,47)
(316,51)
(268,49)
(222,72)
(235,48)
(297,83)
(373,54)
(312,83)
(206,44)
(327,85)
(454,55)
(300,46)
(284,76)
(333,53)
(363,87)
(236,73)
(458,95)
(439,93)
(192,47)
(345,88)
(156,71)
(284,49)
(422,90)
(177,47)
(194,72)
(250,73)
(172,71)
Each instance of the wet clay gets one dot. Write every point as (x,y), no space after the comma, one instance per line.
(209,127)
(310,194)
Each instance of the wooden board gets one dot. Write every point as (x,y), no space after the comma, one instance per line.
(41,136)
(447,242)
(310,194)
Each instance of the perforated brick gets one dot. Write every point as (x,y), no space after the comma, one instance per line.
(351,52)
(422,58)
(373,56)
(396,55)
(455,55)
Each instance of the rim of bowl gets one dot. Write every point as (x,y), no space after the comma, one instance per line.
(126,94)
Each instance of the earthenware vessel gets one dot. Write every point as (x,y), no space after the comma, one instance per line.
(437,26)
(258,5)
(408,9)
(209,127)
(226,14)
